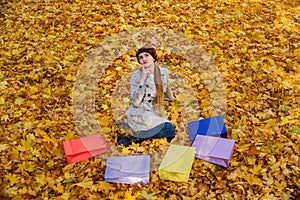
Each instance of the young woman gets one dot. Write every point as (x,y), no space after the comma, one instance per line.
(149,87)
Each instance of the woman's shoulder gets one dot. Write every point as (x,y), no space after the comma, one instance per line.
(163,69)
(136,74)
(137,71)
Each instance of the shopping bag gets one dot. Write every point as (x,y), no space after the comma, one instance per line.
(212,126)
(214,149)
(177,163)
(128,169)
(80,149)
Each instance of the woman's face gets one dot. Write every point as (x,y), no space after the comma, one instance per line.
(146,59)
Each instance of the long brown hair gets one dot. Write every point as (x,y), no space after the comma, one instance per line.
(159,97)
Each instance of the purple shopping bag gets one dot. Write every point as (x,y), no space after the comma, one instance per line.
(214,149)
(128,169)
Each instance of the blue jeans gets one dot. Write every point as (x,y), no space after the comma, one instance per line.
(164,130)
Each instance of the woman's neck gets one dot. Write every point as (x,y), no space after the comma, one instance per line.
(151,67)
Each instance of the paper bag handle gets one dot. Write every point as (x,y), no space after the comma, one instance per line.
(118,164)
(120,168)
(207,146)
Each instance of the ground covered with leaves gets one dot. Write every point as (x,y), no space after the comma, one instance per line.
(254,44)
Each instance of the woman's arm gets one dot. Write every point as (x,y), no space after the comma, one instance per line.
(137,91)
(169,94)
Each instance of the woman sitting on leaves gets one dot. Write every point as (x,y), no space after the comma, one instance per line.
(149,87)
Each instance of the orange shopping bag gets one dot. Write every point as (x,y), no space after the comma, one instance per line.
(83,148)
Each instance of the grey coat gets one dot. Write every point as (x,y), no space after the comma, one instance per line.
(141,114)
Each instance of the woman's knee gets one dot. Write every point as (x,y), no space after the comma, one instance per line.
(170,127)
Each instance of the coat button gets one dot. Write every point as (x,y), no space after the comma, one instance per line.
(149,95)
(149,101)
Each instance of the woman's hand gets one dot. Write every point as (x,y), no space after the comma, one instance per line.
(145,74)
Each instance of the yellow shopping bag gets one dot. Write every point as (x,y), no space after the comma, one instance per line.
(177,163)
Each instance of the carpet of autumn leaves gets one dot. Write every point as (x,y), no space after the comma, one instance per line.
(254,44)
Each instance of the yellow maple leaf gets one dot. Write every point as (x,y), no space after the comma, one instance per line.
(5,118)
(3,147)
(58,188)
(12,178)
(3,85)
(251,179)
(104,106)
(105,187)
(23,190)
(256,169)
(19,101)
(41,180)
(2,100)
(129,196)
(87,184)
(27,166)
(126,150)
(14,154)
(64,196)
(69,77)
(280,185)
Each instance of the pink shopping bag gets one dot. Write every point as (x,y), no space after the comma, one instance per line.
(83,148)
